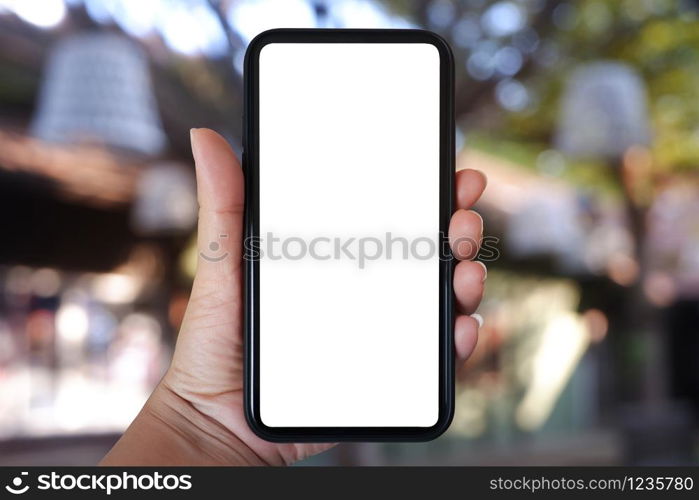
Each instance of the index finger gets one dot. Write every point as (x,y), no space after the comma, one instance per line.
(470,185)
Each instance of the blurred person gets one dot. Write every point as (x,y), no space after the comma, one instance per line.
(195,415)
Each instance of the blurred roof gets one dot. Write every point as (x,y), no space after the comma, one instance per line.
(91,175)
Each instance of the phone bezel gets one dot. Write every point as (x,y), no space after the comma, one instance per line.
(251,313)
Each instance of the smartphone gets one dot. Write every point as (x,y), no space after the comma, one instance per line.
(349,166)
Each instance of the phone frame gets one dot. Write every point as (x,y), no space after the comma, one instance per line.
(251,320)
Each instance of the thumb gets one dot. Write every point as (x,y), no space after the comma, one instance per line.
(208,350)
(220,190)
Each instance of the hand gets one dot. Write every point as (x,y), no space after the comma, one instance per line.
(195,415)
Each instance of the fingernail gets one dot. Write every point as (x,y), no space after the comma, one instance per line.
(485,269)
(485,177)
(482,223)
(193,141)
(478,318)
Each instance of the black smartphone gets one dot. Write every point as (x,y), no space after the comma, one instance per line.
(349,165)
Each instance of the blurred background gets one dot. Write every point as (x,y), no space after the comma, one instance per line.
(584,115)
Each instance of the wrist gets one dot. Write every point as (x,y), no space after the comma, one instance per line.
(170,431)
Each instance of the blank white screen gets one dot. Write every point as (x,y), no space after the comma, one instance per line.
(349,148)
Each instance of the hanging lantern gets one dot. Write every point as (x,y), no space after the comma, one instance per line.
(97,90)
(604,111)
(166,200)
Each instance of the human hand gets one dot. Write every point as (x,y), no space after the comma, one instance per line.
(196,416)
